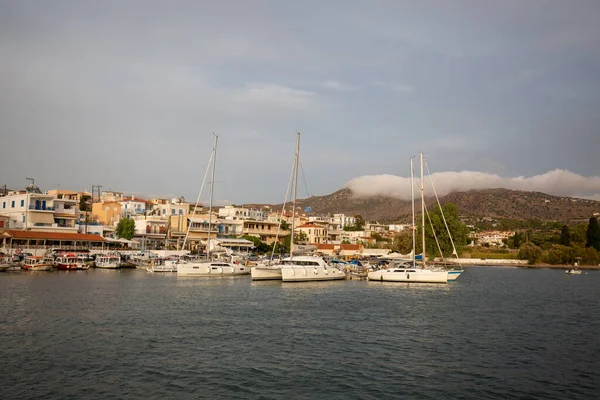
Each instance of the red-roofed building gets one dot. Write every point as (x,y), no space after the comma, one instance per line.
(13,238)
(315,233)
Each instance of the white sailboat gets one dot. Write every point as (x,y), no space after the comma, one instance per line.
(267,271)
(405,272)
(211,268)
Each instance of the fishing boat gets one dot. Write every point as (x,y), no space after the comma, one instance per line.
(69,261)
(210,268)
(110,260)
(38,263)
(573,271)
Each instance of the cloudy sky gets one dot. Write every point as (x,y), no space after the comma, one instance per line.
(126,94)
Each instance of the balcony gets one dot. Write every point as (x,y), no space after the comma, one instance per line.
(40,208)
(66,211)
(265,232)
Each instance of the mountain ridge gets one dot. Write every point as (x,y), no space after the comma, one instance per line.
(494,203)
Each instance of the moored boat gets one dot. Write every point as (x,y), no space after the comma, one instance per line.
(111,260)
(266,272)
(406,273)
(214,268)
(37,263)
(67,262)
(309,268)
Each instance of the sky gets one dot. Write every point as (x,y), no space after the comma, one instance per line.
(127,94)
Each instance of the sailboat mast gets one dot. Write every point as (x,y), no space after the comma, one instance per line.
(294,194)
(423,208)
(212,189)
(412,196)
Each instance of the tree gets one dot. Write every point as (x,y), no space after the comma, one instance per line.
(83,202)
(125,228)
(578,234)
(458,231)
(403,242)
(284,225)
(593,234)
(559,254)
(565,236)
(300,237)
(517,239)
(529,252)
(359,222)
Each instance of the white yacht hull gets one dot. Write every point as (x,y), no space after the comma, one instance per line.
(305,274)
(108,266)
(43,267)
(454,274)
(418,276)
(265,273)
(212,269)
(573,272)
(162,268)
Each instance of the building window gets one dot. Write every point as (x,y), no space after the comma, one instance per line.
(13,204)
(22,203)
(4,204)
(23,218)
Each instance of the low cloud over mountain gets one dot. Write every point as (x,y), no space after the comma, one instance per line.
(557,182)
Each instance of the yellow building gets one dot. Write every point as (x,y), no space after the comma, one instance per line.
(316,233)
(107,213)
(195,227)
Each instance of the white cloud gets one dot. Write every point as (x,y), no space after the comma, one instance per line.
(557,182)
(275,95)
(336,85)
(395,87)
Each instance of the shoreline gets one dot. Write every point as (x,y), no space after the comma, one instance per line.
(550,266)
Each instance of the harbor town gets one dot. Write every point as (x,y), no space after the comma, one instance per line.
(45,225)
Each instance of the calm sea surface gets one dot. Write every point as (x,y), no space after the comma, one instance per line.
(496,333)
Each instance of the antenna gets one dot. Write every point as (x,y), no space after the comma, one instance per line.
(32,181)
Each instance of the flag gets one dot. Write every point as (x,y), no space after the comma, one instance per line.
(307,209)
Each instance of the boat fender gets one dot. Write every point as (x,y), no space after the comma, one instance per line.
(316,271)
(326,272)
(407,276)
(381,277)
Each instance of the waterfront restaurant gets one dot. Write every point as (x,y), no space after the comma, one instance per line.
(13,238)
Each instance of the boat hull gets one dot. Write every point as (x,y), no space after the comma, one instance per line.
(40,267)
(409,276)
(212,269)
(162,268)
(265,273)
(306,274)
(108,266)
(454,274)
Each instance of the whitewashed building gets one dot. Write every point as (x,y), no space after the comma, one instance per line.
(236,213)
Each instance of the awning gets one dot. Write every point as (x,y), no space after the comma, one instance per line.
(40,218)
